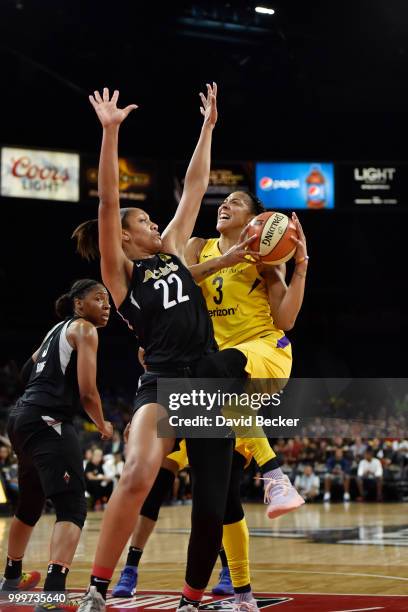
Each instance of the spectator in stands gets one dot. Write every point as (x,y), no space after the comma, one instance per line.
(337,442)
(338,470)
(291,451)
(308,484)
(8,473)
(115,445)
(358,448)
(5,452)
(98,484)
(308,454)
(321,452)
(369,469)
(87,456)
(113,466)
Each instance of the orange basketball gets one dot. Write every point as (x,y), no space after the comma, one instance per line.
(273,231)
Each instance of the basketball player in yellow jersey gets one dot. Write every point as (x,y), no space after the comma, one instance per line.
(251,307)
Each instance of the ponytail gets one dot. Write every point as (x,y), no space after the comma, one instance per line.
(86,236)
(64,306)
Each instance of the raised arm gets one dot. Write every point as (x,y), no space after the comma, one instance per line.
(180,228)
(116,268)
(84,338)
(286,301)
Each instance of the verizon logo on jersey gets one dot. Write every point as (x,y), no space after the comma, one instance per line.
(222,312)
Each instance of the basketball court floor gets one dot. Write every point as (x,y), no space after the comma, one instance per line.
(328,558)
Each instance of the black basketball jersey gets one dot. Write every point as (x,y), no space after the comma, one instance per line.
(53,385)
(167,311)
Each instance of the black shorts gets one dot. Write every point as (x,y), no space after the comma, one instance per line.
(48,452)
(229,363)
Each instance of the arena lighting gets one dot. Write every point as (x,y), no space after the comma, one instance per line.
(264,10)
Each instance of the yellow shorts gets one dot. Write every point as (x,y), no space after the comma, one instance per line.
(180,456)
(265,358)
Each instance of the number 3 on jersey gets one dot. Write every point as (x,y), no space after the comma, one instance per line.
(218,281)
(166,290)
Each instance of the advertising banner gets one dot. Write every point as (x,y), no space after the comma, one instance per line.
(293,185)
(225,177)
(34,174)
(372,184)
(137,179)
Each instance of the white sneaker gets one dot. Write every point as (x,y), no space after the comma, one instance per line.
(92,602)
(326,497)
(281,497)
(187,608)
(245,606)
(346,497)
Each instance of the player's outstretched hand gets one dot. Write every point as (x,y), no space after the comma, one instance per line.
(240,252)
(209,105)
(108,113)
(301,246)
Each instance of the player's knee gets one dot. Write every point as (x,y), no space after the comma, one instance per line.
(70,507)
(136,478)
(233,514)
(158,493)
(205,516)
(29,508)
(28,516)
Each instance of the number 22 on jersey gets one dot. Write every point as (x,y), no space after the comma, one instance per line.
(164,284)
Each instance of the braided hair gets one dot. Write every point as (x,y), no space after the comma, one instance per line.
(64,305)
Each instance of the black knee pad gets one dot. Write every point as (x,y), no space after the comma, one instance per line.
(70,506)
(158,493)
(29,511)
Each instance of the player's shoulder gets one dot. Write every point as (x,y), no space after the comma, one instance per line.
(193,250)
(82,329)
(197,243)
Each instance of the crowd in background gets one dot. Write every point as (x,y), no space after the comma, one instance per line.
(322,468)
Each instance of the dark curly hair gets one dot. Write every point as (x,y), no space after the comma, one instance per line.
(64,305)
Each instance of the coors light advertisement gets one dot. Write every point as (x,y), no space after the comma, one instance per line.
(44,175)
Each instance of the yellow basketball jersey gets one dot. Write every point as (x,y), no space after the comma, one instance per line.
(237,301)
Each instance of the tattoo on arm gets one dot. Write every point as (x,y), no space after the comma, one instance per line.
(206,273)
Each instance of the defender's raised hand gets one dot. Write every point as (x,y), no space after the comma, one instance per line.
(209,105)
(108,113)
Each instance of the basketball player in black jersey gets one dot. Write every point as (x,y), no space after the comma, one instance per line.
(155,293)
(60,374)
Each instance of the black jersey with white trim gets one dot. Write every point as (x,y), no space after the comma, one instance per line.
(53,384)
(167,311)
